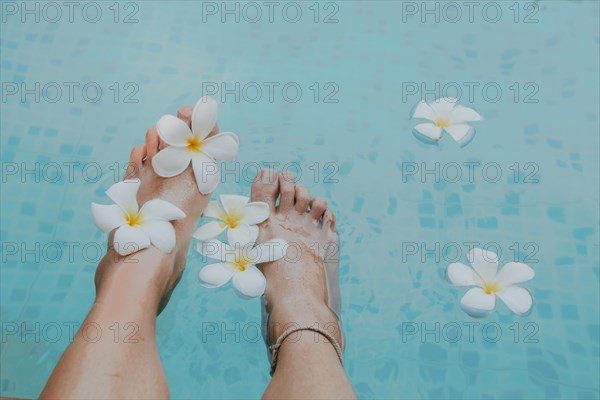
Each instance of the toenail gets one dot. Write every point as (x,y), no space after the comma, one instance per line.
(319,203)
(289,177)
(185,111)
(267,176)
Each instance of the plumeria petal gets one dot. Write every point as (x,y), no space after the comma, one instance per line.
(467,139)
(204,116)
(216,275)
(429,130)
(171,161)
(233,203)
(484,262)
(464,114)
(161,209)
(460,132)
(461,275)
(214,209)
(161,234)
(514,272)
(241,235)
(223,146)
(250,283)
(206,172)
(517,299)
(124,194)
(477,303)
(256,212)
(108,217)
(173,131)
(423,110)
(271,250)
(443,106)
(129,239)
(217,250)
(210,230)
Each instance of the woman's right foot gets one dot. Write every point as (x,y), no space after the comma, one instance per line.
(302,288)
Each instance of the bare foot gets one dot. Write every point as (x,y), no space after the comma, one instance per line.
(302,289)
(151,266)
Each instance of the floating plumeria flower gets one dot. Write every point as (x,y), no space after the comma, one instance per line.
(490,282)
(195,146)
(445,115)
(236,215)
(136,228)
(238,263)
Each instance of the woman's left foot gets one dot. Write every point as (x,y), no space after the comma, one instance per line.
(161,271)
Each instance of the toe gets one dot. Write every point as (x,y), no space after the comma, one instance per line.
(287,192)
(318,206)
(185,113)
(152,142)
(266,187)
(302,198)
(138,153)
(329,220)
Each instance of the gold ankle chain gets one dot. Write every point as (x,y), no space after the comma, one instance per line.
(275,348)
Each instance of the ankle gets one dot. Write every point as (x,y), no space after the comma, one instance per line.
(303,313)
(317,333)
(141,277)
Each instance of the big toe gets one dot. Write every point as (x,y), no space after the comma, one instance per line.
(266,187)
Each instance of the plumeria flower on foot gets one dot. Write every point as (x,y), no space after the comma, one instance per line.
(238,263)
(136,228)
(445,115)
(491,283)
(236,215)
(193,145)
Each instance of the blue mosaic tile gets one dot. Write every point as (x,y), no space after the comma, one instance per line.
(369,54)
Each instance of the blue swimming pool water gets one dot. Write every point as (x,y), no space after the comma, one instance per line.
(399,230)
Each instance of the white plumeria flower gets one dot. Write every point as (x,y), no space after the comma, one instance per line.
(480,300)
(238,263)
(447,115)
(236,215)
(194,146)
(137,228)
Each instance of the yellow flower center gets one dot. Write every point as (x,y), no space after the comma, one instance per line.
(442,122)
(491,287)
(133,219)
(241,264)
(194,143)
(231,220)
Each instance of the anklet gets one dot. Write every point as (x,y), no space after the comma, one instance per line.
(275,348)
